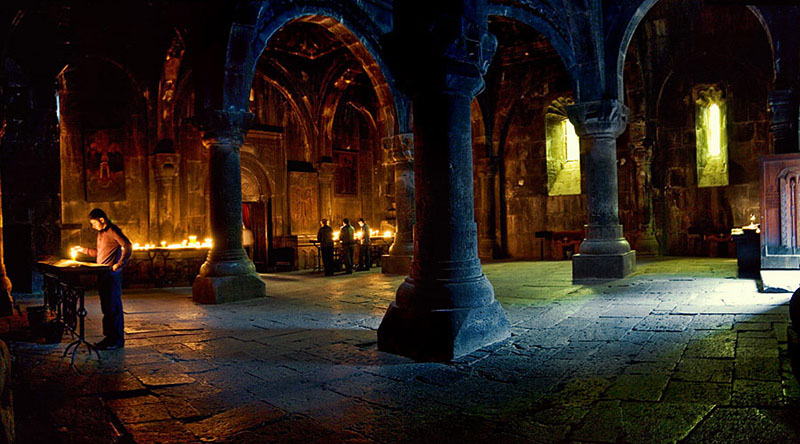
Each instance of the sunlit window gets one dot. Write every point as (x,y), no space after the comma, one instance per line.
(711,137)
(563,151)
(712,129)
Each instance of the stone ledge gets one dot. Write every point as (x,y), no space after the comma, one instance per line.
(603,266)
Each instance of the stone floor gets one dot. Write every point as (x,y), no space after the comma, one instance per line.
(682,351)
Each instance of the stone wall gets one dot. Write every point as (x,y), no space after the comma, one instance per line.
(720,46)
(524,79)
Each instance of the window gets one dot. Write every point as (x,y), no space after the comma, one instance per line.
(711,137)
(563,151)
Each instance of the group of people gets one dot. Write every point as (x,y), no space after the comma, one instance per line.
(348,239)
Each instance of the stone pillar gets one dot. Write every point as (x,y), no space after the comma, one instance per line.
(604,253)
(487,171)
(325,175)
(643,159)
(783,105)
(401,154)
(228,273)
(166,167)
(446,307)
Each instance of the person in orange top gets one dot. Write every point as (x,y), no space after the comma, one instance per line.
(114,249)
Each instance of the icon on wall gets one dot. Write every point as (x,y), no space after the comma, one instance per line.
(104,166)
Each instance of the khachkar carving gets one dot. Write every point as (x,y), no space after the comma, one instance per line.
(604,252)
(642,156)
(166,167)
(401,155)
(228,274)
(325,173)
(783,106)
(780,211)
(789,189)
(446,307)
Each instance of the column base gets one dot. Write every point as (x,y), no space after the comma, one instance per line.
(224,289)
(431,334)
(603,266)
(391,264)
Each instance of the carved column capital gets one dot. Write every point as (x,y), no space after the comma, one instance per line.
(598,119)
(224,127)
(325,171)
(400,148)
(783,125)
(166,165)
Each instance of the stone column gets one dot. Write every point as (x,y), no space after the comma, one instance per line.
(643,158)
(401,154)
(784,107)
(166,167)
(487,170)
(604,253)
(446,307)
(325,175)
(228,273)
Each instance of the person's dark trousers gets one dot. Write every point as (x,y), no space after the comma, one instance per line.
(349,251)
(327,260)
(364,257)
(109,286)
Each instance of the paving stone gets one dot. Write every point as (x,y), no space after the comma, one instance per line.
(712,322)
(224,425)
(162,432)
(747,392)
(145,412)
(603,423)
(664,323)
(704,370)
(753,425)
(630,387)
(763,369)
(711,348)
(697,392)
(662,422)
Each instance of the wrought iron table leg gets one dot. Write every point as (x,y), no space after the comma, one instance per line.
(81,339)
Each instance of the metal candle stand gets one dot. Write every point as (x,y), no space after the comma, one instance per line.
(67,302)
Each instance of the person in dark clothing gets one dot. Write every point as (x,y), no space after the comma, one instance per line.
(364,256)
(325,239)
(114,249)
(347,237)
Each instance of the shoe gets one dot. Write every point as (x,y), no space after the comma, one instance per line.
(109,344)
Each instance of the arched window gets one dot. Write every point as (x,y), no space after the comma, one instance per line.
(711,136)
(563,151)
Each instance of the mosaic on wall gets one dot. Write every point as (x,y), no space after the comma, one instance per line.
(104,165)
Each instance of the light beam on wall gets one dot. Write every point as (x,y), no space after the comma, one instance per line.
(713,130)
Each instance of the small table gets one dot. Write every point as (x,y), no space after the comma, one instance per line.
(65,283)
